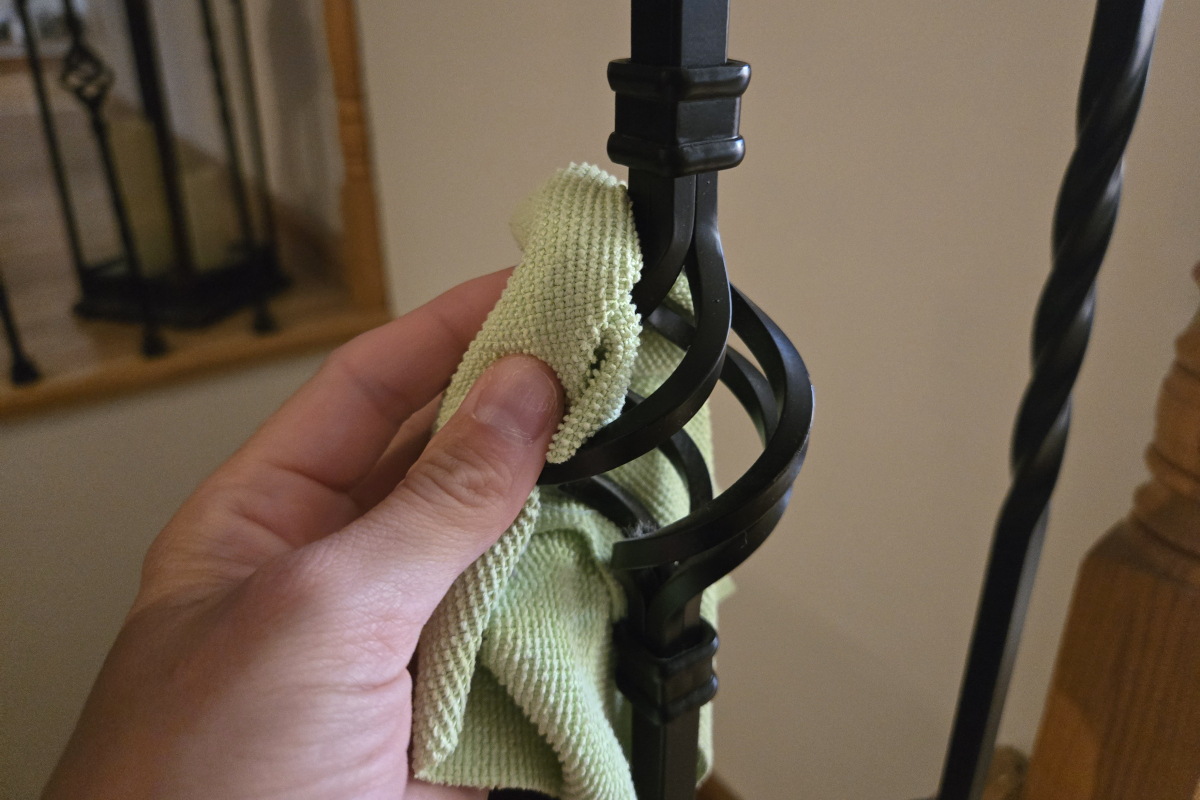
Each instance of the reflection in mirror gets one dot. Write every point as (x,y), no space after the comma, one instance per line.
(175,174)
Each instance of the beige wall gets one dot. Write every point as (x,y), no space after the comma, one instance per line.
(84,492)
(892,214)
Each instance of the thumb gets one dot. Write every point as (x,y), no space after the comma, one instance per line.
(462,493)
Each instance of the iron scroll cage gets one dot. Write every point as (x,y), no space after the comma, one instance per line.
(677,113)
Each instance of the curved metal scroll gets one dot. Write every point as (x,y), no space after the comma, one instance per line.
(666,569)
(1114,79)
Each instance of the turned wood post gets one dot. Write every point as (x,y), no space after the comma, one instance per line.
(1122,718)
(362,255)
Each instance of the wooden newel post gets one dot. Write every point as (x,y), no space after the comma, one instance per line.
(1122,717)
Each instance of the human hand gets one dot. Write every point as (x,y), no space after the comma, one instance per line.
(267,652)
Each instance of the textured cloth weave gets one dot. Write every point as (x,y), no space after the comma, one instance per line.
(514,685)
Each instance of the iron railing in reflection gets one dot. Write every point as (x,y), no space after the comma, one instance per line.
(155,277)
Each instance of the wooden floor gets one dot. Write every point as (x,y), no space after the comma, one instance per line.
(81,360)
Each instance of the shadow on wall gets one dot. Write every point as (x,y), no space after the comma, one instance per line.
(829,728)
(297,58)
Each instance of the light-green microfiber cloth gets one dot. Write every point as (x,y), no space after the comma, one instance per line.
(515,670)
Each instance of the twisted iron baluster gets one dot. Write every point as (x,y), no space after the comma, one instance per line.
(1114,79)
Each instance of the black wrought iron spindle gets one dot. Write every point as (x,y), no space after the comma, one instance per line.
(154,106)
(22,370)
(90,80)
(50,134)
(678,102)
(1114,78)
(687,34)
(263,321)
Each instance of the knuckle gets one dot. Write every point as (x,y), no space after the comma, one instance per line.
(302,585)
(461,474)
(348,636)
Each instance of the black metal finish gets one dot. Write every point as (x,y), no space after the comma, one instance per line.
(677,108)
(668,687)
(674,121)
(1114,79)
(50,133)
(154,106)
(89,79)
(664,584)
(679,33)
(22,370)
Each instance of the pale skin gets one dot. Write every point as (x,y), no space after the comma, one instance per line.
(267,654)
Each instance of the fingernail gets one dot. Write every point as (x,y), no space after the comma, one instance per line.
(517,398)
